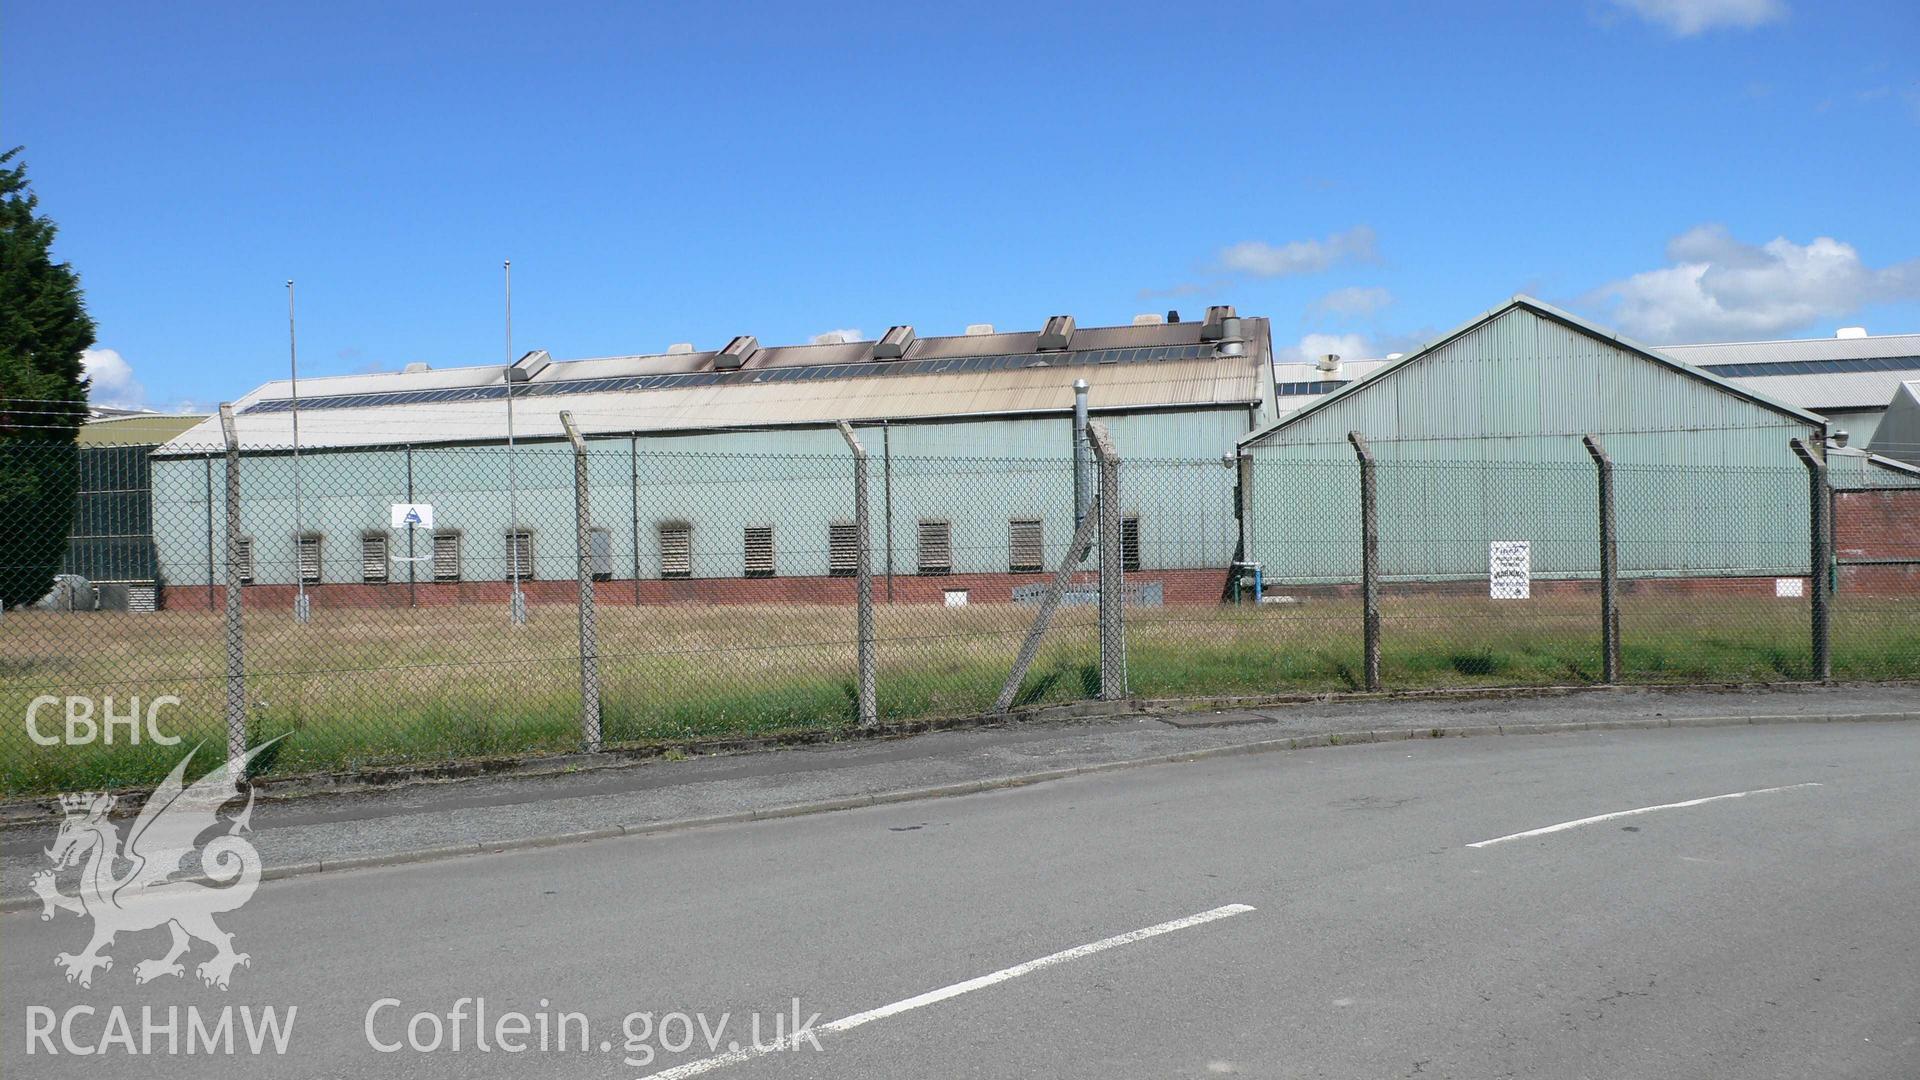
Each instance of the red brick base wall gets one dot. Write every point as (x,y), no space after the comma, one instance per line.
(1187,587)
(1545,587)
(1876,524)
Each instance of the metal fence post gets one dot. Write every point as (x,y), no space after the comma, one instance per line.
(869,710)
(210,578)
(1820,562)
(236,640)
(583,547)
(1369,559)
(1609,564)
(1243,509)
(1113,587)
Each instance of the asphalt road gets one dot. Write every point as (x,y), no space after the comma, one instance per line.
(1773,935)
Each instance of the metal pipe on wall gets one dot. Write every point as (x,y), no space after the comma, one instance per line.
(1082,455)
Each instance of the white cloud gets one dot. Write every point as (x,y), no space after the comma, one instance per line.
(1257,258)
(1719,287)
(111,380)
(1354,301)
(1314,346)
(1685,18)
(836,337)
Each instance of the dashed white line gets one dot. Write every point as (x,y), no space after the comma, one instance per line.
(1596,819)
(847,1023)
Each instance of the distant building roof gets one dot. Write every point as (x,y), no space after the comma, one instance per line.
(1128,367)
(119,427)
(1814,373)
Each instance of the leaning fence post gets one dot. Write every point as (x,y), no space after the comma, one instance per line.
(863,580)
(1077,549)
(583,547)
(1369,559)
(1820,561)
(1113,586)
(1609,564)
(236,640)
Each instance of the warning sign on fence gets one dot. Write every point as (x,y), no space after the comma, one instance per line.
(1510,569)
(414,515)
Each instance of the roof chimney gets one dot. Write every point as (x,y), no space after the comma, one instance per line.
(1214,328)
(979,329)
(894,343)
(736,352)
(1851,332)
(1173,315)
(1057,333)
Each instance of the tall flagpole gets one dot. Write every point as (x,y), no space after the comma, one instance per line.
(517,610)
(300,606)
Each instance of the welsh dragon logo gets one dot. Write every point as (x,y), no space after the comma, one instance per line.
(143,895)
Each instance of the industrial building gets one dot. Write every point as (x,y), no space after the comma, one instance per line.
(724,464)
(719,475)
(1479,438)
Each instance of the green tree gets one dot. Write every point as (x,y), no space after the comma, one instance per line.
(44,327)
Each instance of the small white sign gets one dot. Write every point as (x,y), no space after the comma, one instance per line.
(956,597)
(1510,569)
(1789,586)
(418,515)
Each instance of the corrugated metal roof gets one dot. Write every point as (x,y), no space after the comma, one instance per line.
(1837,389)
(1786,352)
(902,392)
(1845,390)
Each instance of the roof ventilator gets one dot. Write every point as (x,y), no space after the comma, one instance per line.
(1149,318)
(1213,327)
(525,368)
(736,352)
(894,343)
(680,348)
(1057,334)
(979,329)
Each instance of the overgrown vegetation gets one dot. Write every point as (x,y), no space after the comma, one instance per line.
(362,688)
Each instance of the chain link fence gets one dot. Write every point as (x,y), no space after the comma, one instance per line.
(405,605)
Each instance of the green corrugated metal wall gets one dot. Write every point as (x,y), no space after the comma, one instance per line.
(974,474)
(1479,439)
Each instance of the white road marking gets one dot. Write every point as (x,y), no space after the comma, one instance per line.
(847,1023)
(1565,825)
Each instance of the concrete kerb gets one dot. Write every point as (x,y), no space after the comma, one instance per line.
(975,787)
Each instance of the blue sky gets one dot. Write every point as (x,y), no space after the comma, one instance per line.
(1683,169)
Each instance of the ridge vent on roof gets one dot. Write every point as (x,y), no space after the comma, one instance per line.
(525,368)
(1057,334)
(894,343)
(736,353)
